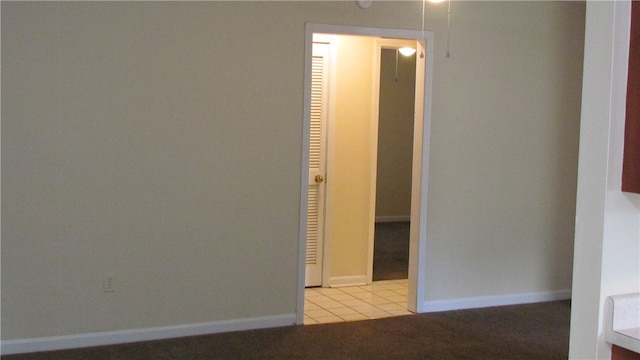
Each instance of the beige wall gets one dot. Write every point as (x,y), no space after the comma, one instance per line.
(350,158)
(395,135)
(504,142)
(162,142)
(352,153)
(349,180)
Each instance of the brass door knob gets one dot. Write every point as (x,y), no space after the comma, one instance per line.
(319,179)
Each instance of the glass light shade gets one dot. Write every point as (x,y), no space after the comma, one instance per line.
(407,51)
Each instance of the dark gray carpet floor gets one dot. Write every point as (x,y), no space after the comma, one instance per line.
(391,251)
(532,331)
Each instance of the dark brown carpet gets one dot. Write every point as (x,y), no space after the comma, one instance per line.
(391,251)
(533,331)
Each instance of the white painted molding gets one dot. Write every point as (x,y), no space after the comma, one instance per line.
(393,218)
(133,335)
(499,300)
(340,281)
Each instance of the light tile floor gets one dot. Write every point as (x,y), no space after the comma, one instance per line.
(378,300)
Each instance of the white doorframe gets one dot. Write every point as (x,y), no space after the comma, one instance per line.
(382,43)
(422,127)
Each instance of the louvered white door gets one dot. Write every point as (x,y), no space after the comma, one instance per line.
(317,150)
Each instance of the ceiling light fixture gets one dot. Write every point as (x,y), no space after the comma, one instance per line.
(407,51)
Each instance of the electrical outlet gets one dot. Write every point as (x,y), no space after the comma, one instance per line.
(108,283)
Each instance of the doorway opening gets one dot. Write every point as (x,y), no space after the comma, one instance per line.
(337,267)
(397,83)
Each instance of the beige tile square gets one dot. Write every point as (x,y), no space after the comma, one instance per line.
(378,315)
(399,312)
(376,300)
(385,293)
(316,298)
(366,309)
(394,286)
(354,317)
(389,307)
(352,290)
(329,319)
(353,303)
(310,306)
(343,311)
(378,287)
(366,288)
(399,299)
(309,321)
(401,291)
(318,313)
(341,297)
(329,304)
(329,291)
(363,295)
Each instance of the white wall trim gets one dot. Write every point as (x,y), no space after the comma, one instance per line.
(134,335)
(355,280)
(393,218)
(373,155)
(498,300)
(418,241)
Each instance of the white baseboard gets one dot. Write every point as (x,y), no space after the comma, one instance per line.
(500,300)
(134,335)
(339,281)
(393,218)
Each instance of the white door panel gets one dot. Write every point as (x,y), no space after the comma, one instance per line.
(317,151)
